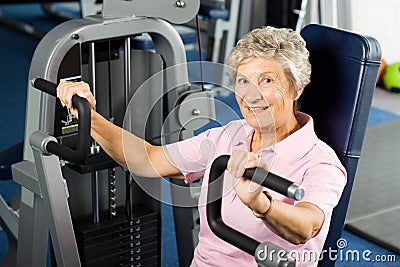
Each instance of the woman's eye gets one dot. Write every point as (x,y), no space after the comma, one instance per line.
(265,81)
(242,81)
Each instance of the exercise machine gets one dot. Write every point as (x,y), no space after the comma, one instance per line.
(77,197)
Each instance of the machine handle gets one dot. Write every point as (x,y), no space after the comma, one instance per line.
(214,199)
(275,183)
(81,153)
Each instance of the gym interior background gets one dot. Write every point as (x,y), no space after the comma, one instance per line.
(372,222)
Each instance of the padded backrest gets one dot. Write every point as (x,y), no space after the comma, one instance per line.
(344,71)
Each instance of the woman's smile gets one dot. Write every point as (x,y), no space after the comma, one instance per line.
(257,109)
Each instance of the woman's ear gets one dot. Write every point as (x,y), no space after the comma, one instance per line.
(298,93)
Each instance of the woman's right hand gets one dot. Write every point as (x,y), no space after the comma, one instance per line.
(67,89)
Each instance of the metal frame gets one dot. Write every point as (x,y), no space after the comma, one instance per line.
(48,54)
(45,205)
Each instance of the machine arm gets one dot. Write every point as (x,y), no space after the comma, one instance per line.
(82,151)
(240,240)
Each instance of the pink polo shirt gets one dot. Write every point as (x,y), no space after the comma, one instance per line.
(301,158)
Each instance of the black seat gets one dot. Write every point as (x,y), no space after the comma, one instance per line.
(344,71)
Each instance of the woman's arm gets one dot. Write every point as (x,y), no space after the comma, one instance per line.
(128,150)
(295,223)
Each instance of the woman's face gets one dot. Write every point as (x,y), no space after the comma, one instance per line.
(262,90)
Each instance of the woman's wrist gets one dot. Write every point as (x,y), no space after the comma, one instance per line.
(93,114)
(263,212)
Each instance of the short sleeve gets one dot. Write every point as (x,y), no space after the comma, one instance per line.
(324,184)
(191,156)
(195,155)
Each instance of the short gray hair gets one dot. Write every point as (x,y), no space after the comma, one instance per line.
(284,45)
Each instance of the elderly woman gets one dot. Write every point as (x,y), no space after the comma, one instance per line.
(270,68)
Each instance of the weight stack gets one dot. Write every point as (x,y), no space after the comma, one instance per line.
(119,241)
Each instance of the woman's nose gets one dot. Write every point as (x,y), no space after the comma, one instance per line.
(252,94)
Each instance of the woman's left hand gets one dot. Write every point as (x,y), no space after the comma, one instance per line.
(248,191)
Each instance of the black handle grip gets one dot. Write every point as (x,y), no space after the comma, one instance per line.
(83,107)
(275,183)
(214,199)
(45,86)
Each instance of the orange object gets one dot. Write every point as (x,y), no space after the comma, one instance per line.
(381,71)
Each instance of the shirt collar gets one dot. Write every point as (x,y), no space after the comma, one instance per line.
(298,144)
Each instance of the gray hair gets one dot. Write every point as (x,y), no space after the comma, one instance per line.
(284,45)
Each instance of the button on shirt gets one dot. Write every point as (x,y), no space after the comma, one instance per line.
(301,158)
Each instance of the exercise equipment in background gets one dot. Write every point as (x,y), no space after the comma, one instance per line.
(381,72)
(391,77)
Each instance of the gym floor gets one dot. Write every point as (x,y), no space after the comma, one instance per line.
(386,100)
(16,50)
